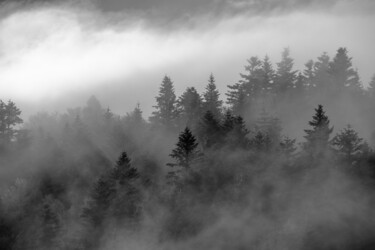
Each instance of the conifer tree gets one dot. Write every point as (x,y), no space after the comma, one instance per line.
(288,147)
(268,75)
(135,118)
(190,106)
(309,75)
(317,138)
(127,204)
(322,78)
(348,144)
(343,73)
(252,82)
(235,131)
(285,75)
(237,99)
(9,118)
(209,130)
(211,101)
(166,105)
(186,152)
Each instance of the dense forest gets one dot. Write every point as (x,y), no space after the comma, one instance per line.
(203,171)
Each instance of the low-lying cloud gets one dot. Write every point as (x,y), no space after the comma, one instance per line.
(52,50)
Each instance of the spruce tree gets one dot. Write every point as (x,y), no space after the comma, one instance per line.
(235,131)
(252,82)
(317,138)
(209,130)
(322,79)
(285,75)
(268,75)
(237,99)
(127,203)
(9,118)
(186,152)
(348,144)
(190,107)
(343,74)
(211,101)
(166,105)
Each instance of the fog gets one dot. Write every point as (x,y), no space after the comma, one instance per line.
(53,50)
(174,124)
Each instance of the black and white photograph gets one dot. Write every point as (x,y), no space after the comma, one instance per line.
(187,125)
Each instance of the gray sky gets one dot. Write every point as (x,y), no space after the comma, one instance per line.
(56,55)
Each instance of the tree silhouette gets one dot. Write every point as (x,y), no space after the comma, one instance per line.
(9,118)
(317,138)
(348,144)
(341,69)
(166,105)
(211,100)
(190,106)
(186,152)
(285,75)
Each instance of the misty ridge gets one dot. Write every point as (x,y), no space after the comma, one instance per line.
(236,170)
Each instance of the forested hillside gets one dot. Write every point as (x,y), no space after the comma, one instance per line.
(205,171)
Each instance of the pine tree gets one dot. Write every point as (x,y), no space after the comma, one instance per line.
(235,131)
(317,138)
(285,75)
(237,99)
(344,76)
(322,80)
(211,101)
(209,130)
(9,118)
(166,107)
(135,118)
(101,197)
(190,106)
(127,203)
(268,75)
(309,75)
(288,147)
(348,144)
(186,153)
(252,82)
(269,125)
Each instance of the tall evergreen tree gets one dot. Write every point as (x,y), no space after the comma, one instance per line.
(237,99)
(235,131)
(185,155)
(348,144)
(342,71)
(211,101)
(309,75)
(127,204)
(9,118)
(186,152)
(190,106)
(209,130)
(252,82)
(322,80)
(166,105)
(317,138)
(285,75)
(268,75)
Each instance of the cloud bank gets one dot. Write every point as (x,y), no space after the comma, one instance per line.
(51,50)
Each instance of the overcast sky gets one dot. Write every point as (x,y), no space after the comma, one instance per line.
(55,54)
